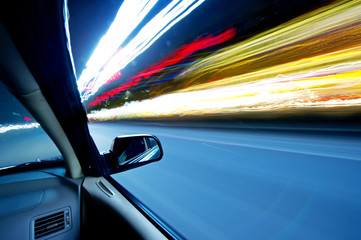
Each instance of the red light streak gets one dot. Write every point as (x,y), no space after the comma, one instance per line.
(174,58)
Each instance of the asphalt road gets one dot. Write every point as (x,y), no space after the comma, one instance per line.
(255,183)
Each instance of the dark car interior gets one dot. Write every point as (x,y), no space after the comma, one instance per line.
(286,187)
(70,198)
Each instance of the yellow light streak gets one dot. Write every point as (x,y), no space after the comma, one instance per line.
(311,62)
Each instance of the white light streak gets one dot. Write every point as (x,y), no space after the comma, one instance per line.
(302,91)
(129,15)
(7,128)
(96,73)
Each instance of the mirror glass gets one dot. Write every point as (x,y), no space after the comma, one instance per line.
(131,150)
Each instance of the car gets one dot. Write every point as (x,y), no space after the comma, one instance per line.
(70,196)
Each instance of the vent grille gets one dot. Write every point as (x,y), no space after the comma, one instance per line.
(52,223)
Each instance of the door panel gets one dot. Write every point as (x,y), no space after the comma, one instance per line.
(107,214)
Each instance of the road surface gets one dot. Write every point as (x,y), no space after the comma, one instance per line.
(215,183)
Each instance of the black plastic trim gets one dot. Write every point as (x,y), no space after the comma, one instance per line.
(32,166)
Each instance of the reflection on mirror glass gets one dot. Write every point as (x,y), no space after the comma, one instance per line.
(136,149)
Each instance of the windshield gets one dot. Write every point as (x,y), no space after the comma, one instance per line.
(22,139)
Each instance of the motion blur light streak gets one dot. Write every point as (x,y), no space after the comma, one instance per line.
(187,50)
(310,62)
(96,74)
(174,12)
(10,127)
(177,56)
(129,15)
(325,30)
(115,77)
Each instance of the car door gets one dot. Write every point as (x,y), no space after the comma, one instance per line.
(109,208)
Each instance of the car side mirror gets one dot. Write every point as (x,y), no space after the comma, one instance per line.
(133,151)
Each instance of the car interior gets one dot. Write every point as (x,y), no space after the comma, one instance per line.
(297,183)
(73,198)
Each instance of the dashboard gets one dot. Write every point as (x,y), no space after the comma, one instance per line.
(40,204)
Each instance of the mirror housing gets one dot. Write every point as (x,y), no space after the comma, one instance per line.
(132,151)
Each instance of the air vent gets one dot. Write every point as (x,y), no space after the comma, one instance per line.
(52,223)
